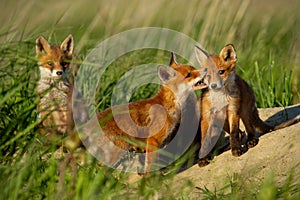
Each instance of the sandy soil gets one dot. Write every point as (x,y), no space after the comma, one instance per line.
(277,153)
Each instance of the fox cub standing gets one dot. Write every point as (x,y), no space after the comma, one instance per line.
(149,122)
(239,99)
(54,87)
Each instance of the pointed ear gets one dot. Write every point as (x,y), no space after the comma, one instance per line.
(166,73)
(173,61)
(41,46)
(201,55)
(68,45)
(228,53)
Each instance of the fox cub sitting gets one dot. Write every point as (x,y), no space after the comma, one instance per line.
(238,98)
(54,87)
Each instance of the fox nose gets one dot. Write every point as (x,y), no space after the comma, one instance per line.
(213,86)
(59,73)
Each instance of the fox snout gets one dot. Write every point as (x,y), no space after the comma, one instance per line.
(213,86)
(213,81)
(51,73)
(59,73)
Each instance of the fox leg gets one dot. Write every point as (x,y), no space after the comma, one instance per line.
(152,145)
(226,129)
(204,127)
(250,129)
(235,142)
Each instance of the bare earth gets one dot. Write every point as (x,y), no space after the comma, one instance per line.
(277,153)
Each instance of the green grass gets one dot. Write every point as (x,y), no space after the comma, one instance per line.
(266,38)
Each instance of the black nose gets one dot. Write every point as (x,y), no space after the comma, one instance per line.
(59,73)
(213,86)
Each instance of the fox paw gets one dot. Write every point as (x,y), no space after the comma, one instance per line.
(252,143)
(238,151)
(203,162)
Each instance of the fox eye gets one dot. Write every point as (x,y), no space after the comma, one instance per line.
(50,63)
(221,72)
(188,75)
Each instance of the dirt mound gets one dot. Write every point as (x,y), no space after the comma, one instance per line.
(277,153)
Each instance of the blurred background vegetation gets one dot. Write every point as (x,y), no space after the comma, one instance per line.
(266,35)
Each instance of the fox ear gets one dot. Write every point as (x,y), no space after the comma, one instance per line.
(41,45)
(228,53)
(201,55)
(166,73)
(68,45)
(173,61)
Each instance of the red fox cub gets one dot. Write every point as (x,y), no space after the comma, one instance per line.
(149,122)
(54,88)
(237,96)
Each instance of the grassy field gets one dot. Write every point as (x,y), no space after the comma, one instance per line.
(266,35)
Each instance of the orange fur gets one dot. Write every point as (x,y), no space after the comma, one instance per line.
(234,93)
(158,122)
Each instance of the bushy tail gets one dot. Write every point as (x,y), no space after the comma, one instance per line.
(287,123)
(262,127)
